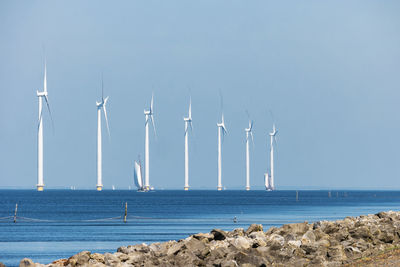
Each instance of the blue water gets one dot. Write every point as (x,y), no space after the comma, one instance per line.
(56,224)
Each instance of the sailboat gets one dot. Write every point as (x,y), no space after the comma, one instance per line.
(138,179)
(267,181)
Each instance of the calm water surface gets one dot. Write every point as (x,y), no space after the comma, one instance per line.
(56,224)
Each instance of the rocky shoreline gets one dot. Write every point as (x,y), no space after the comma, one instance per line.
(322,243)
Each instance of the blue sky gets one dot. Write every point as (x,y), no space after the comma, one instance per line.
(329,71)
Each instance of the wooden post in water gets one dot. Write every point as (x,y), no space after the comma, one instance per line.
(126,211)
(297,195)
(15,213)
(329,194)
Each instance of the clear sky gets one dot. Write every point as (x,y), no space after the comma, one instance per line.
(329,71)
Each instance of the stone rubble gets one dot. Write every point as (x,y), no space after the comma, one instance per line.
(322,243)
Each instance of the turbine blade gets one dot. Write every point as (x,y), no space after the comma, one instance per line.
(48,108)
(102,88)
(191,126)
(190,108)
(45,78)
(105,116)
(151,103)
(248,114)
(252,138)
(154,126)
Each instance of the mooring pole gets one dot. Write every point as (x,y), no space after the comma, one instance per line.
(126,211)
(15,213)
(297,195)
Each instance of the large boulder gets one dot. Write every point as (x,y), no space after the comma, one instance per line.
(176,248)
(218,234)
(26,263)
(254,228)
(241,243)
(111,260)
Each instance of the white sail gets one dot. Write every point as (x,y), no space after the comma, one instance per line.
(138,176)
(266,181)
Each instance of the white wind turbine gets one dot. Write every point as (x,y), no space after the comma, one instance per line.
(221,131)
(248,134)
(100,106)
(271,177)
(148,116)
(188,123)
(41,95)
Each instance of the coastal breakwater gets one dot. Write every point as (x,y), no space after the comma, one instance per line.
(322,243)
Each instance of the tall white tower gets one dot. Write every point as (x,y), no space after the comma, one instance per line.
(273,139)
(221,131)
(188,123)
(248,134)
(148,116)
(100,106)
(41,95)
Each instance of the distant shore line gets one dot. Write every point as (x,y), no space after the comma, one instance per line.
(322,243)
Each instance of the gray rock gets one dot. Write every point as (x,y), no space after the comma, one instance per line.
(218,234)
(202,236)
(176,248)
(254,228)
(336,253)
(111,260)
(26,263)
(97,257)
(83,258)
(241,243)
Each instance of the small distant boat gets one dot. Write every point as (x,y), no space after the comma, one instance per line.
(138,179)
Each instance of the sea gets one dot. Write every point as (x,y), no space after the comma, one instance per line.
(57,224)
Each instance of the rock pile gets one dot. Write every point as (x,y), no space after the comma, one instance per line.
(322,243)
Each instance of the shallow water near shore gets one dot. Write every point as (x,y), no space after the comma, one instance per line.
(56,224)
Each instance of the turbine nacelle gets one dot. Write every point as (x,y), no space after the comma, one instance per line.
(250,127)
(102,103)
(274,131)
(44,93)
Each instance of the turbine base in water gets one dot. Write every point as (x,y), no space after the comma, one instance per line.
(247,188)
(219,188)
(40,188)
(186,188)
(99,188)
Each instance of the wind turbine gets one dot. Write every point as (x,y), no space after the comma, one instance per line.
(148,116)
(248,134)
(100,106)
(221,131)
(273,140)
(188,123)
(41,95)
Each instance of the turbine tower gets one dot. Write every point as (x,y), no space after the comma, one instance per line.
(221,131)
(100,106)
(273,140)
(188,123)
(41,95)
(148,116)
(248,134)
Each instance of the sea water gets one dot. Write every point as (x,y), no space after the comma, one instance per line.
(57,224)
